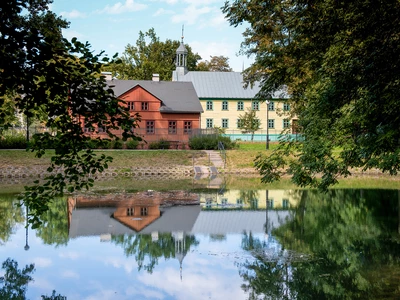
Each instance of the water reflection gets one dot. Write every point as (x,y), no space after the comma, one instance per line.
(344,239)
(276,244)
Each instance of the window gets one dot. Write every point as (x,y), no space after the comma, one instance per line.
(101,128)
(187,127)
(271,123)
(131,105)
(88,129)
(239,201)
(285,203)
(209,123)
(270,203)
(224,123)
(172,127)
(286,106)
(271,105)
(239,123)
(150,127)
(209,105)
(145,106)
(255,105)
(129,211)
(240,105)
(224,201)
(286,123)
(224,105)
(143,211)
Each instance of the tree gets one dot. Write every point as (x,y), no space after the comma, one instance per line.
(150,56)
(216,64)
(249,122)
(48,73)
(340,63)
(15,281)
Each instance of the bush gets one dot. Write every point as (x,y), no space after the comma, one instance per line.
(132,144)
(17,141)
(161,144)
(117,144)
(210,142)
(93,144)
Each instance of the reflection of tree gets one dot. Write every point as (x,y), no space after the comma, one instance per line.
(147,251)
(249,197)
(10,215)
(217,237)
(15,281)
(347,238)
(54,227)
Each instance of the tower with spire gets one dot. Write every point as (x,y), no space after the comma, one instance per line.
(181,59)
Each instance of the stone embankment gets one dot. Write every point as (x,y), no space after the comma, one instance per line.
(12,174)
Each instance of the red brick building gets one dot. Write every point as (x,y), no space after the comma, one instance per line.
(168,110)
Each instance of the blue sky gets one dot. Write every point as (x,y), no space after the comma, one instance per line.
(110,25)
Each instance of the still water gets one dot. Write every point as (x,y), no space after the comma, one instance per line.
(253,244)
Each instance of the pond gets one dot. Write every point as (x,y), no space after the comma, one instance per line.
(235,244)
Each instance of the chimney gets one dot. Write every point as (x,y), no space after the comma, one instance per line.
(156,77)
(107,75)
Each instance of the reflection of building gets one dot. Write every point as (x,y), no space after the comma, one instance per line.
(102,221)
(250,199)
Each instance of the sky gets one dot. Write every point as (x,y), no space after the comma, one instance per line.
(110,25)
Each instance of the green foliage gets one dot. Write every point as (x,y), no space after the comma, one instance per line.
(340,63)
(216,64)
(54,227)
(14,141)
(117,144)
(333,239)
(150,56)
(147,251)
(249,122)
(62,79)
(10,215)
(210,142)
(132,144)
(15,281)
(161,144)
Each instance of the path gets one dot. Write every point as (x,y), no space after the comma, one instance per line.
(216,162)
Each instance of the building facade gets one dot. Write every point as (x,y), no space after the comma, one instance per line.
(224,99)
(169,111)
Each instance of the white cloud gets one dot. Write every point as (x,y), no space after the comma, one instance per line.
(119,8)
(42,262)
(162,11)
(191,14)
(43,284)
(73,14)
(70,255)
(70,274)
(69,34)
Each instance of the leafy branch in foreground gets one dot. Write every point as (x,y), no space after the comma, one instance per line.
(49,74)
(340,62)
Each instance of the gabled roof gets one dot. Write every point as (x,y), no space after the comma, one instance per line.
(176,97)
(223,85)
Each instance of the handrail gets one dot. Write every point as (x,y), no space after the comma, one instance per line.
(222,152)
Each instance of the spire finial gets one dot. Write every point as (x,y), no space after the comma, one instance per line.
(182,32)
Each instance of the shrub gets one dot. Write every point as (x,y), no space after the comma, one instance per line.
(161,144)
(17,141)
(93,144)
(117,144)
(210,142)
(132,144)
